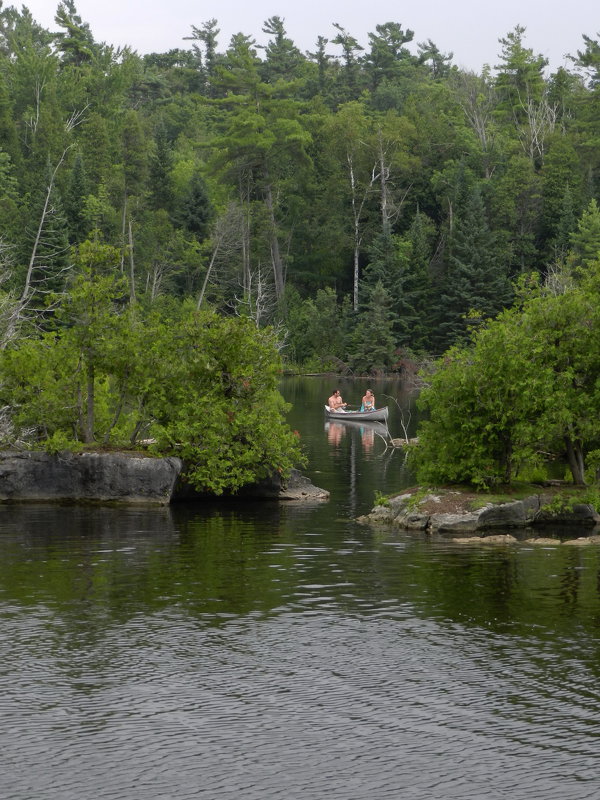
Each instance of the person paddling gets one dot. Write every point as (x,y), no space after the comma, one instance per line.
(335,402)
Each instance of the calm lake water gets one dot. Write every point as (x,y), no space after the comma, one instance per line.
(284,651)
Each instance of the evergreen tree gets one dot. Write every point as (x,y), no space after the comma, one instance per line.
(76,43)
(349,82)
(585,241)
(520,75)
(283,59)
(565,227)
(74,204)
(372,343)
(389,258)
(562,169)
(387,53)
(10,214)
(134,154)
(439,63)
(474,279)
(323,83)
(206,61)
(161,164)
(196,212)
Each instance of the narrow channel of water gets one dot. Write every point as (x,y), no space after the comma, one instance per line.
(284,651)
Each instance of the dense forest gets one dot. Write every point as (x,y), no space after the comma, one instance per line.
(175,226)
(365,203)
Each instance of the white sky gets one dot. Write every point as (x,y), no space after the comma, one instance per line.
(468,28)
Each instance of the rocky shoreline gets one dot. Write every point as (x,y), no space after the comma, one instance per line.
(122,478)
(450,515)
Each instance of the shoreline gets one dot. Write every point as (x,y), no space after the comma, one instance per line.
(468,517)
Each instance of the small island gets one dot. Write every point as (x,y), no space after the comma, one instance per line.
(476,517)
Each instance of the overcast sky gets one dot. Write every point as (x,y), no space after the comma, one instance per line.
(468,28)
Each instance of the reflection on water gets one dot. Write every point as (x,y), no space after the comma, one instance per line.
(367,432)
(283,651)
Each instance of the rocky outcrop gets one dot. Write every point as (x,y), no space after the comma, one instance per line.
(430,516)
(119,478)
(87,477)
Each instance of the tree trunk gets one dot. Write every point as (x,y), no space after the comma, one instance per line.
(131,266)
(275,250)
(575,459)
(88,434)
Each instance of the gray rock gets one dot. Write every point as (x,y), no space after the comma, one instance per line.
(379,514)
(412,521)
(454,523)
(581,514)
(582,541)
(499,538)
(123,478)
(467,539)
(398,504)
(542,540)
(299,487)
(87,477)
(516,514)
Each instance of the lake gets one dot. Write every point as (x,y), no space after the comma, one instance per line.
(266,650)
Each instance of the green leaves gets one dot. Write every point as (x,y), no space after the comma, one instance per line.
(203,386)
(527,384)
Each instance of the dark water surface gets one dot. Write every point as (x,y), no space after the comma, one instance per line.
(283,651)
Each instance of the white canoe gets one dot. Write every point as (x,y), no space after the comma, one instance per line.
(379,415)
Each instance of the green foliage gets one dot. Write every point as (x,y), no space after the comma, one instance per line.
(59,442)
(215,402)
(380,498)
(204,387)
(562,502)
(373,344)
(527,383)
(384,162)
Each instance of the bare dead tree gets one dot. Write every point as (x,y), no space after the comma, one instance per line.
(477,99)
(228,238)
(38,90)
(391,203)
(259,301)
(405,416)
(558,280)
(541,120)
(358,198)
(32,285)
(76,118)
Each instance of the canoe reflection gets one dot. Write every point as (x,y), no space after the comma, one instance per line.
(368,432)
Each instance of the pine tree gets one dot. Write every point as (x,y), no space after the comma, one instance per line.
(284,61)
(372,343)
(74,203)
(161,164)
(196,211)
(76,43)
(585,241)
(474,279)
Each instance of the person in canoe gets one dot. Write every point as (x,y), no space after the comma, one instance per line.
(368,401)
(335,402)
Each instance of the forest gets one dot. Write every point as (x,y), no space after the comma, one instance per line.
(358,208)
(364,203)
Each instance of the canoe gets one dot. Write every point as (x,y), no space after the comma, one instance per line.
(379,415)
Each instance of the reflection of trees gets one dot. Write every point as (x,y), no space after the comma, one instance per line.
(119,562)
(570,577)
(491,586)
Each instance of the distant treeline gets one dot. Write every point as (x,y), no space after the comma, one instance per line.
(372,206)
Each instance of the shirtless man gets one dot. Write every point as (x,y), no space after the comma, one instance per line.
(335,402)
